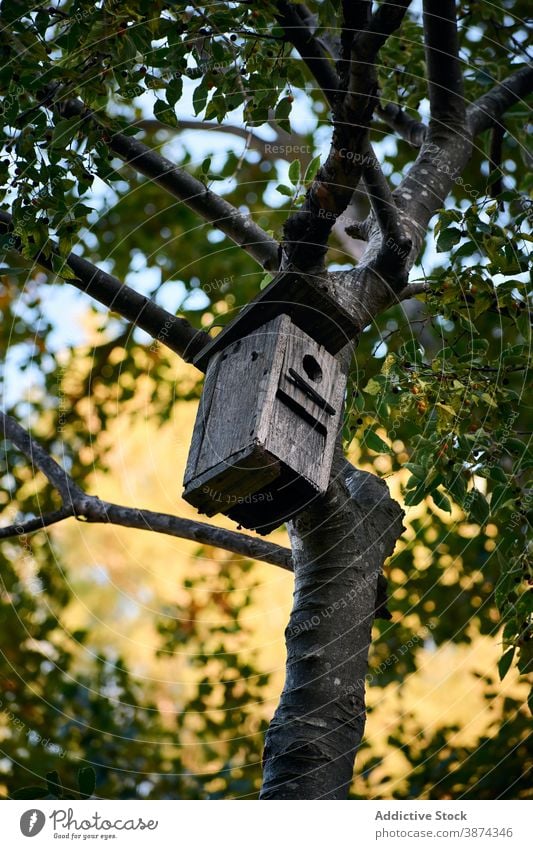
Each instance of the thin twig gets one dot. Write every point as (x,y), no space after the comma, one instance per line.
(92,509)
(38,457)
(383,204)
(23,528)
(412,291)
(489,108)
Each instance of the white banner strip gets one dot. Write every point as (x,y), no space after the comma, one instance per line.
(268,825)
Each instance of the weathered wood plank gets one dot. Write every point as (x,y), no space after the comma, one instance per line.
(298,443)
(308,365)
(202,417)
(305,442)
(320,307)
(236,479)
(244,393)
(227,460)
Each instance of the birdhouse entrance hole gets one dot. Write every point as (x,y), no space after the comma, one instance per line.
(312,368)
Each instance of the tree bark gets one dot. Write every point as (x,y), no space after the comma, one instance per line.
(339,545)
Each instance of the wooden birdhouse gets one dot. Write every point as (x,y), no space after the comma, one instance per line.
(267,421)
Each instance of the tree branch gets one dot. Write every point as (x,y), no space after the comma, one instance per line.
(179,183)
(310,49)
(440,162)
(164,523)
(359,230)
(172,331)
(385,20)
(284,145)
(424,189)
(384,206)
(90,508)
(445,76)
(152,125)
(307,230)
(40,458)
(489,108)
(327,39)
(355,17)
(21,529)
(412,291)
(409,129)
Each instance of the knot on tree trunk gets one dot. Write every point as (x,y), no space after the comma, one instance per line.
(371,499)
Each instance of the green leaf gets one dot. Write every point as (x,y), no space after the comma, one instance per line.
(65,131)
(373,387)
(448,238)
(456,486)
(415,496)
(283,110)
(467,249)
(375,442)
(441,501)
(285,190)
(504,663)
(496,473)
(174,90)
(165,113)
(295,172)
(502,494)
(199,98)
(525,659)
(449,215)
(478,506)
(448,413)
(417,470)
(311,170)
(205,166)
(152,82)
(60,267)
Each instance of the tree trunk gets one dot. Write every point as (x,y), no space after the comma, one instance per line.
(339,545)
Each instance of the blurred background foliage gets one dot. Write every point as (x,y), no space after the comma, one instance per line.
(157,663)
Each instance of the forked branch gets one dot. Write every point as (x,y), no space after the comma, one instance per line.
(90,508)
(307,230)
